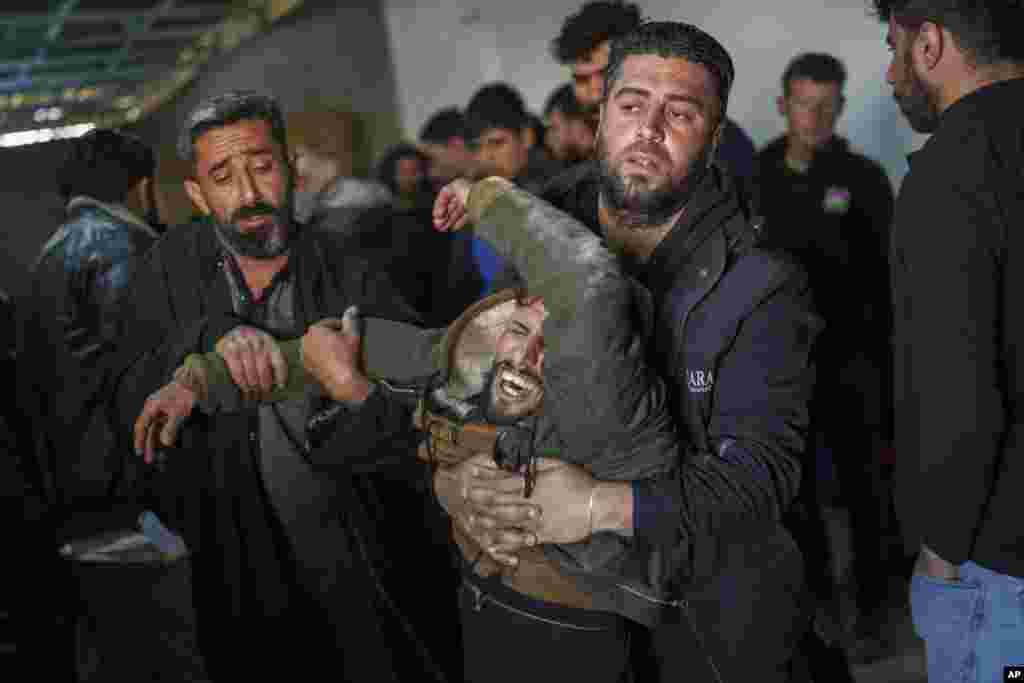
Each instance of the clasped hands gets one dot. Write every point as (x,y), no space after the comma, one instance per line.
(331,353)
(489,505)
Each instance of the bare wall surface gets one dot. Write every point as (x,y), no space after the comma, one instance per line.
(444,52)
(328,53)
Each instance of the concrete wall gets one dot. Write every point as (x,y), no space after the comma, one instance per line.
(444,52)
(326,54)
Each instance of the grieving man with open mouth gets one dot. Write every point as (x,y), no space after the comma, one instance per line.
(531,378)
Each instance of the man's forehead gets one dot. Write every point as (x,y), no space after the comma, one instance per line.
(496,317)
(808,87)
(673,74)
(247,136)
(497,134)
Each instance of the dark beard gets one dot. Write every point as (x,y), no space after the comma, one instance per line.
(644,208)
(918,106)
(259,246)
(487,404)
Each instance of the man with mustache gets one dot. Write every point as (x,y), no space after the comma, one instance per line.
(733,329)
(555,368)
(583,45)
(957,72)
(282,534)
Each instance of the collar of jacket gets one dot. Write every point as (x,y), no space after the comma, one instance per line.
(718,205)
(305,265)
(716,209)
(775,151)
(118,211)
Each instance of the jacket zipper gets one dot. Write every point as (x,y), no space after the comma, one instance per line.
(480,599)
(682,604)
(650,598)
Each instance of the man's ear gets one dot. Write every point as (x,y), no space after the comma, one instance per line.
(195,193)
(929,45)
(780,102)
(716,140)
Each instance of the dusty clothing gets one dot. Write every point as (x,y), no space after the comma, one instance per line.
(302,578)
(959,369)
(594,336)
(603,409)
(344,196)
(733,330)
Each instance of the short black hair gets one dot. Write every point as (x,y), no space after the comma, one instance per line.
(816,66)
(495,105)
(225,109)
(563,99)
(669,40)
(595,23)
(443,126)
(988,32)
(104,164)
(386,167)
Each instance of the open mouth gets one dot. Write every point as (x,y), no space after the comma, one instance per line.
(643,161)
(515,386)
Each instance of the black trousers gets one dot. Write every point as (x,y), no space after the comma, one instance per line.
(837,418)
(511,637)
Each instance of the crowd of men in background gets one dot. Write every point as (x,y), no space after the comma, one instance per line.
(118,300)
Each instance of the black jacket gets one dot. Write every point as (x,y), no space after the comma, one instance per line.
(67,321)
(250,582)
(959,357)
(733,331)
(835,219)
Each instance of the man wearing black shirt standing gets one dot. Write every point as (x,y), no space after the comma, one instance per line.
(957,71)
(832,209)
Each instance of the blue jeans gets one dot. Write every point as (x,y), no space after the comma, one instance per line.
(973,627)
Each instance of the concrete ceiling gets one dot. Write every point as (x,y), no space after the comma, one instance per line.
(69,64)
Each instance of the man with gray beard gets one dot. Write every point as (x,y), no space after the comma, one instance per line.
(282,533)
